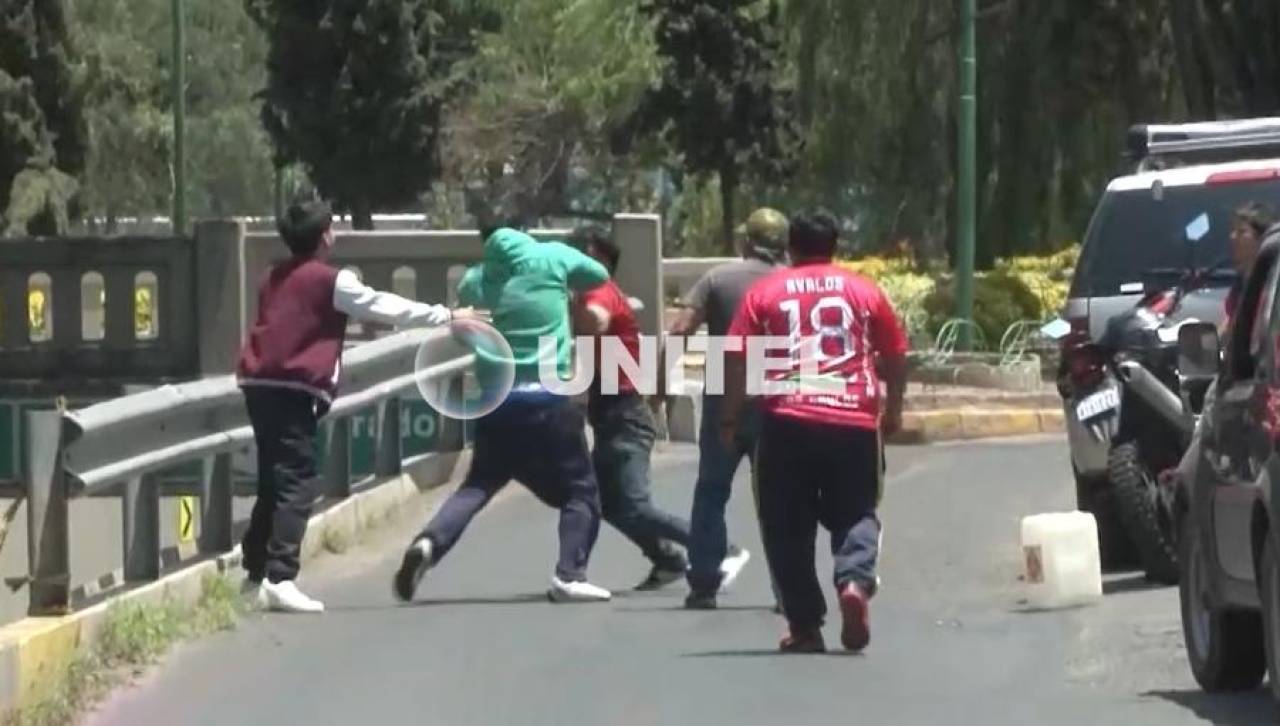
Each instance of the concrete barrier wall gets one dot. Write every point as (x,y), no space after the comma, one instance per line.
(422,264)
(76,308)
(204,293)
(680,273)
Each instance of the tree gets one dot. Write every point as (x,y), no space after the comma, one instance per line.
(130,131)
(548,86)
(126,46)
(720,102)
(229,153)
(356,89)
(42,131)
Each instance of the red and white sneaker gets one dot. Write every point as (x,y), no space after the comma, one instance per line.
(855,608)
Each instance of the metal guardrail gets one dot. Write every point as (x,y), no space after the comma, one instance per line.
(119,447)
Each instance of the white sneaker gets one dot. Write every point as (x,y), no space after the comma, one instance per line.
(578,591)
(732,566)
(285,597)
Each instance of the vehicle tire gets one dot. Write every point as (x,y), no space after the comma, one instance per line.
(1144,519)
(1269,589)
(1094,495)
(1224,647)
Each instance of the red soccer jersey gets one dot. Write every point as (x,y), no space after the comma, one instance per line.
(837,322)
(622,325)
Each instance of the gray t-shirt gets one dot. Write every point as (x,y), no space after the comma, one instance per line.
(719,291)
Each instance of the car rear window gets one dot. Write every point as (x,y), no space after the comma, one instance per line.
(1134,231)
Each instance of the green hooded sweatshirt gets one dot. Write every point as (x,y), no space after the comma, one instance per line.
(526,285)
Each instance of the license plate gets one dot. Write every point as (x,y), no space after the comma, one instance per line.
(1098,404)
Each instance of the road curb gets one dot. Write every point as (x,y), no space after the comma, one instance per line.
(34,651)
(918,427)
(924,427)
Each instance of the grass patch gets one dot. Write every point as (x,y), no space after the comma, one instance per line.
(132,637)
(334,541)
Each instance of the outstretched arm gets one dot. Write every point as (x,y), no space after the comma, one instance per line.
(364,303)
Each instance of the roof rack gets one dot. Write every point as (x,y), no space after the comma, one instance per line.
(1151,144)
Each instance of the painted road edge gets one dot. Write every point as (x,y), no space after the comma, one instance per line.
(923,427)
(34,651)
(918,427)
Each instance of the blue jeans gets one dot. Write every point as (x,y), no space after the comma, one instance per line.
(708,533)
(625,434)
(543,445)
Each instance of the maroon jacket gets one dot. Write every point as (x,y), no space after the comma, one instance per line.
(296,342)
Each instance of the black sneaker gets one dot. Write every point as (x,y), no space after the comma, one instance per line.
(660,577)
(416,562)
(700,601)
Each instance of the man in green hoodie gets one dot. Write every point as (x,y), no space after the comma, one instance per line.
(535,436)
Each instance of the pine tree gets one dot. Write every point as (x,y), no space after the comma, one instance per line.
(720,103)
(356,92)
(42,128)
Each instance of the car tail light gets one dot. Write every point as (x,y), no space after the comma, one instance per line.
(1243,175)
(1162,303)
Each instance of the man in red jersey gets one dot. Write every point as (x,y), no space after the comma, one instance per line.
(624,426)
(820,455)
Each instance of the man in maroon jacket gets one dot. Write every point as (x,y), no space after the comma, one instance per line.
(289,368)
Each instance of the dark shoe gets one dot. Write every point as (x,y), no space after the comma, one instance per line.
(804,641)
(416,562)
(855,608)
(660,577)
(700,601)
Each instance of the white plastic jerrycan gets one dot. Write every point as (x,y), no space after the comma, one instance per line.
(1062,560)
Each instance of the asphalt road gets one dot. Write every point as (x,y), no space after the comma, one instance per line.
(951,643)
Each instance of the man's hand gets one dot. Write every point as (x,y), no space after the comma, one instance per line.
(464,314)
(895,380)
(891,421)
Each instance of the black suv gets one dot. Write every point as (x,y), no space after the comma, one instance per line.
(1228,498)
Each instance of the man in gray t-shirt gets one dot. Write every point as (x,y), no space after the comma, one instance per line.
(716,295)
(713,563)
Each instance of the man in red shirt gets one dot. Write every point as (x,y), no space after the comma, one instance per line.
(820,456)
(623,424)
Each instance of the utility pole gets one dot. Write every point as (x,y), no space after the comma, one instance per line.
(966,196)
(179,91)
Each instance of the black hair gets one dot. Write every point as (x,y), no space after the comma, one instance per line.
(596,237)
(1257,215)
(304,225)
(813,235)
(497,221)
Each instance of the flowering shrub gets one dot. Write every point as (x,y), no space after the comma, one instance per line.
(1019,288)
(905,288)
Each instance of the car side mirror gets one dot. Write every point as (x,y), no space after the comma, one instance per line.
(1199,350)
